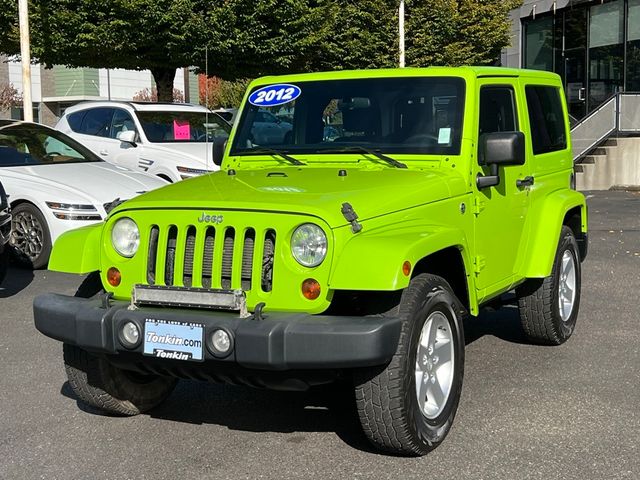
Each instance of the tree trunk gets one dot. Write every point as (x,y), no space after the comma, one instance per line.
(164,83)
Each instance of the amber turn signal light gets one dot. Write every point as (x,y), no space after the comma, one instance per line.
(310,289)
(114,277)
(406,268)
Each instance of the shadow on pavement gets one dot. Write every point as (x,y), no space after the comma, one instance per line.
(321,409)
(503,323)
(17,279)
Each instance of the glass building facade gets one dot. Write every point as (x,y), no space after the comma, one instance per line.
(593,46)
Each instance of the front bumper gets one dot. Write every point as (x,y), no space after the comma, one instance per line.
(279,341)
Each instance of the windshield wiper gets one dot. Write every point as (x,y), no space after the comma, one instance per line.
(278,153)
(358,148)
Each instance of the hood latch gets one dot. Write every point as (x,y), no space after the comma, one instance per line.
(351,216)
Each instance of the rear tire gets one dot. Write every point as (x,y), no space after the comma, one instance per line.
(549,307)
(407,407)
(112,390)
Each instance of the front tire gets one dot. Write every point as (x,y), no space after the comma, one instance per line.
(408,407)
(30,236)
(110,389)
(549,307)
(104,386)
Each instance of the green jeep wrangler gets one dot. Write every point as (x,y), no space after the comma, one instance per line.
(346,238)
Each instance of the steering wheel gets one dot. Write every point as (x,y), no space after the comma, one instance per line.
(52,154)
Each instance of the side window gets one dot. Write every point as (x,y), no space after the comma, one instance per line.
(497,110)
(546,119)
(75,120)
(97,121)
(121,122)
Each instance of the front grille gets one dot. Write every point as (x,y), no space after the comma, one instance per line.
(211,257)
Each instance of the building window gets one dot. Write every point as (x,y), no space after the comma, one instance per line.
(606,51)
(17,113)
(538,44)
(633,46)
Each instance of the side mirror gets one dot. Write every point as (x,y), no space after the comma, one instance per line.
(128,136)
(219,146)
(499,148)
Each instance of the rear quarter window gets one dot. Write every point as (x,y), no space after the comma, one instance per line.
(546,119)
(75,120)
(97,121)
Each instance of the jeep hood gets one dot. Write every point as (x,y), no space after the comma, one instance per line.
(307,190)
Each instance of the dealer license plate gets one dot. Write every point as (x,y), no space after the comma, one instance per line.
(173,340)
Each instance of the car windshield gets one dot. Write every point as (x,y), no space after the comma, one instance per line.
(30,144)
(181,127)
(391,115)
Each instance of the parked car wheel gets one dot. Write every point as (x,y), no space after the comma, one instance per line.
(408,406)
(549,307)
(30,236)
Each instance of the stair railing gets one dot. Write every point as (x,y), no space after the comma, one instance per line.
(618,113)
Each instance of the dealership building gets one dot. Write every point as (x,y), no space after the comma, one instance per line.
(595,47)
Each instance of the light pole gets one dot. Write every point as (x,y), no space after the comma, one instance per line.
(401,32)
(25,53)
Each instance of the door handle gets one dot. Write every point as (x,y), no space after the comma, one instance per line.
(104,152)
(524,182)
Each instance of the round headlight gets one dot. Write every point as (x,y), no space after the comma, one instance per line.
(309,245)
(125,237)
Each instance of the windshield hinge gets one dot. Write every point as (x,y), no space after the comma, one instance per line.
(479,262)
(478,205)
(351,216)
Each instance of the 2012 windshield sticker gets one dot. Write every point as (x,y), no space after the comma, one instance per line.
(273,95)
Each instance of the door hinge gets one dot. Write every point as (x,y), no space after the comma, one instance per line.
(479,263)
(478,205)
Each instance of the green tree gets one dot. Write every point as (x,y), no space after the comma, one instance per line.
(238,39)
(457,32)
(250,38)
(10,38)
(134,34)
(361,34)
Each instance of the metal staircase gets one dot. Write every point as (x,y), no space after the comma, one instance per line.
(594,140)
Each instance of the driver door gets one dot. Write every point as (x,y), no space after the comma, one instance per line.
(500,211)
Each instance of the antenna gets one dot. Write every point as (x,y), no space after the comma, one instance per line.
(206,104)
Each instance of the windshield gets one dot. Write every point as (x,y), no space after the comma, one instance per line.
(181,127)
(28,144)
(391,115)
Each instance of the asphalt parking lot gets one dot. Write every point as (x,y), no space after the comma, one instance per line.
(527,412)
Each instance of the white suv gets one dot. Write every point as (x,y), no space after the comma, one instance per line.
(169,140)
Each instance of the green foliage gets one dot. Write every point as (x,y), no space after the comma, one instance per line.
(457,32)
(361,34)
(10,38)
(220,93)
(250,38)
(236,39)
(133,34)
